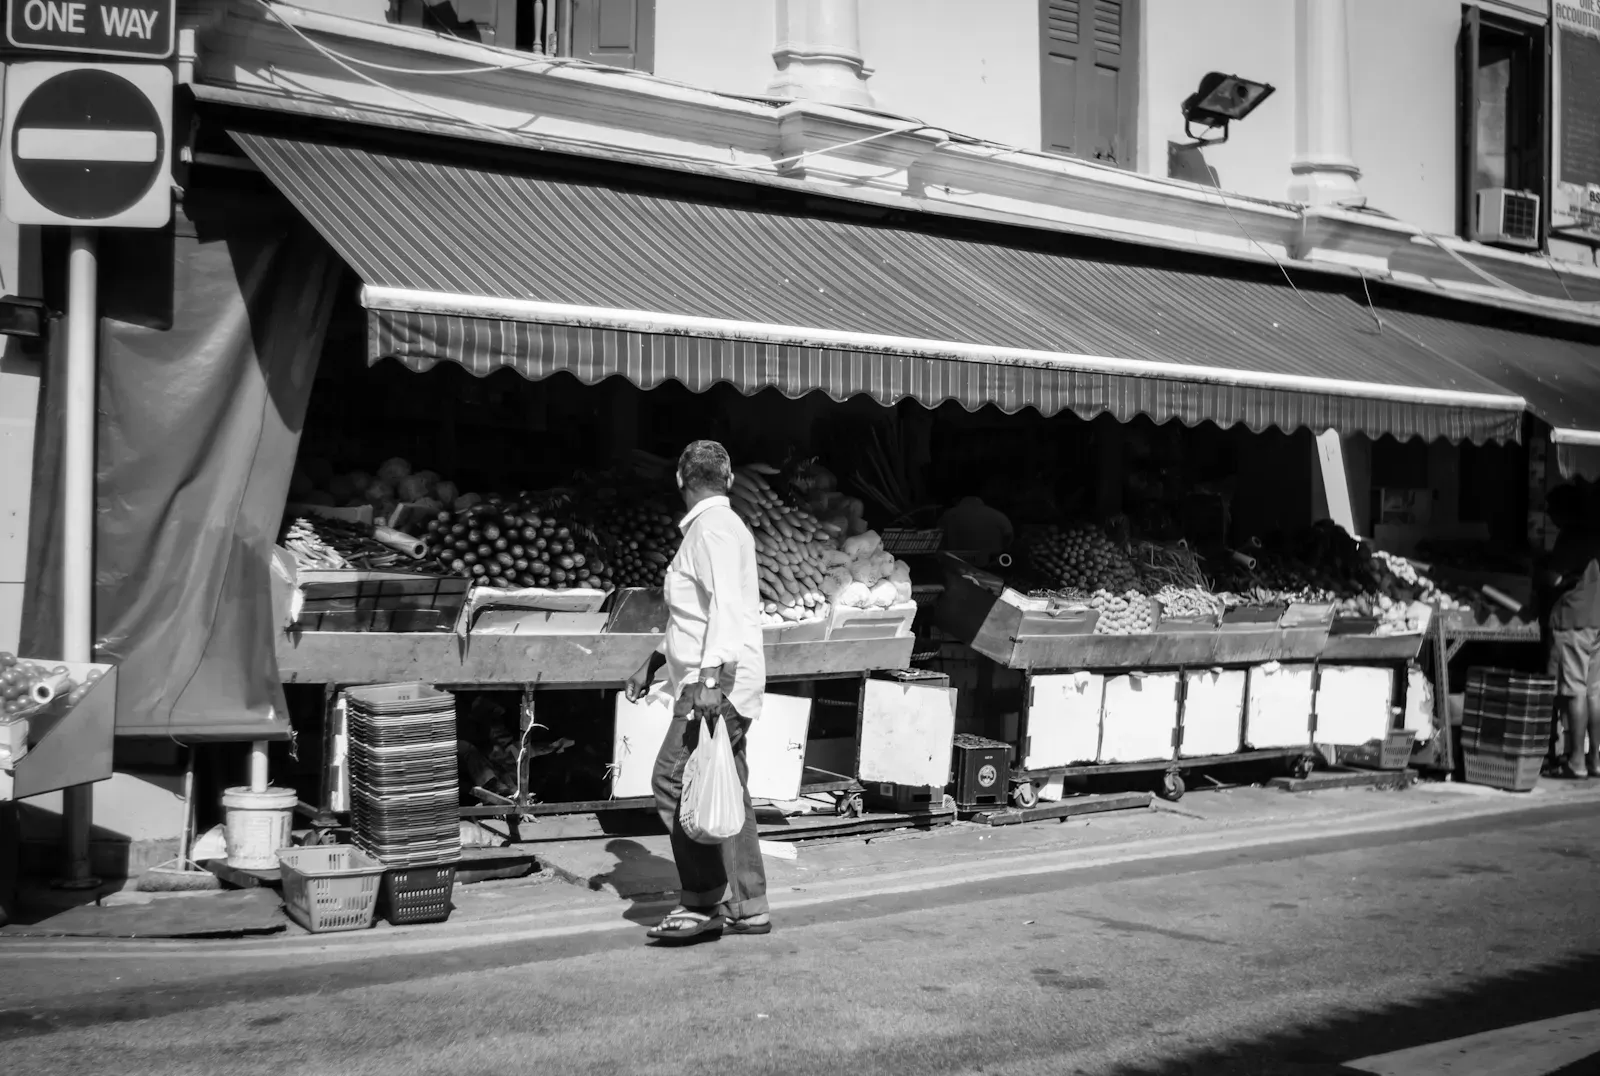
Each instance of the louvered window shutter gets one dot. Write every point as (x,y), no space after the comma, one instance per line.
(620,33)
(1089,77)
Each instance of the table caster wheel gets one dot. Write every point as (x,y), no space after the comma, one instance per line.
(1172,787)
(1024,794)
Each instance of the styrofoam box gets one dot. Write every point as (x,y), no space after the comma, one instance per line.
(1139,717)
(1419,705)
(774,750)
(1278,713)
(1064,720)
(1354,704)
(906,733)
(1213,713)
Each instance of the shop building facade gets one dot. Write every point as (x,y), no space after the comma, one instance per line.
(893,109)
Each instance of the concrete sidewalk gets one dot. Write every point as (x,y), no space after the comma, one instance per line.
(641,868)
(603,883)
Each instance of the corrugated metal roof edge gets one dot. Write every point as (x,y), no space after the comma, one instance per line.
(410,123)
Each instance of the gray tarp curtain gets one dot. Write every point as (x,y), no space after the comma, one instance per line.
(200,413)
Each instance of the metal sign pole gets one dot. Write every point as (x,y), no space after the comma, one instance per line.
(77,560)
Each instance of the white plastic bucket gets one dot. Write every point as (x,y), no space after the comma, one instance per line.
(259,823)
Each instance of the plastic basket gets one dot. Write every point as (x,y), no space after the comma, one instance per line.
(417,894)
(903,540)
(1498,771)
(330,887)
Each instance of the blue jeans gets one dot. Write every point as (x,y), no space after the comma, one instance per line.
(728,877)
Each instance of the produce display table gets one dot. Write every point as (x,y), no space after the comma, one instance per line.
(1149,677)
(528,663)
(551,661)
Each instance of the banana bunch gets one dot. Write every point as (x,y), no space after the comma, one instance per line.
(792,547)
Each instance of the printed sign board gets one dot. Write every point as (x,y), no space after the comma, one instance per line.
(1575,138)
(134,28)
(88,144)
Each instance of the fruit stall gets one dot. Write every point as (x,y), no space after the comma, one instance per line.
(398,575)
(1148,656)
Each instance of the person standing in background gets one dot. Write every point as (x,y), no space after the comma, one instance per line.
(974,527)
(1570,600)
(716,668)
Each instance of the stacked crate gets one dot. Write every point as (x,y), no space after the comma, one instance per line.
(1505,727)
(404,795)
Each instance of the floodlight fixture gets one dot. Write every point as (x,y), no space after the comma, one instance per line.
(1220,100)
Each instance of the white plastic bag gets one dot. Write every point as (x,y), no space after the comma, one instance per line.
(711,809)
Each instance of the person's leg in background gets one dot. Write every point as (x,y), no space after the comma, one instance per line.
(1570,664)
(1579,757)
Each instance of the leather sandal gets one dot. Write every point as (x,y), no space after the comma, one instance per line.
(744,926)
(682,925)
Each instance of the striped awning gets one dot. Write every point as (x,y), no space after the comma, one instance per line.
(1558,377)
(491,267)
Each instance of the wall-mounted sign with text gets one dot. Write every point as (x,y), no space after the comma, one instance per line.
(133,28)
(1575,138)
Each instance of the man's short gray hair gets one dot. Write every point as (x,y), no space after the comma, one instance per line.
(705,465)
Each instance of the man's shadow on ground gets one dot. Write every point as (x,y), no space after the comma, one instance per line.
(647,881)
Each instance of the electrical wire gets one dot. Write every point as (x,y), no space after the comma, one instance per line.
(341,60)
(781,161)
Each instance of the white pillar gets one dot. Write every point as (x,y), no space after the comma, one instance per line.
(819,53)
(1324,171)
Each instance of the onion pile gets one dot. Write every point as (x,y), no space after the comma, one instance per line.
(1082,558)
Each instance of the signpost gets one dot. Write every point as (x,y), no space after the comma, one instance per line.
(88,146)
(134,28)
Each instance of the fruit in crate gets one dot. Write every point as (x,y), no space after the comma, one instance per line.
(1082,558)
(523,541)
(1130,613)
(800,564)
(1188,602)
(640,539)
(20,682)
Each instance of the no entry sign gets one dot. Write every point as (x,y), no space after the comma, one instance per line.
(88,145)
(142,28)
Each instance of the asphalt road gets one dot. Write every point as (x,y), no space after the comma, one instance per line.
(1289,960)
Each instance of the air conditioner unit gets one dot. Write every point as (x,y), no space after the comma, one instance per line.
(1508,218)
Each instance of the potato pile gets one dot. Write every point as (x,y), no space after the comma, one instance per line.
(1129,614)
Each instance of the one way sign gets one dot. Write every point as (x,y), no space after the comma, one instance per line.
(138,28)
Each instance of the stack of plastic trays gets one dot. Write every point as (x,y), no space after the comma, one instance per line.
(404,795)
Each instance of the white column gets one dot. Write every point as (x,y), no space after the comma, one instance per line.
(1324,171)
(819,53)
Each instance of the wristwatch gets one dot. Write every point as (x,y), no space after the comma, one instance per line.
(708,682)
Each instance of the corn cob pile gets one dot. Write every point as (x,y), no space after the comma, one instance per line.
(791,547)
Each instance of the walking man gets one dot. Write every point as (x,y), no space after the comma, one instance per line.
(715,666)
